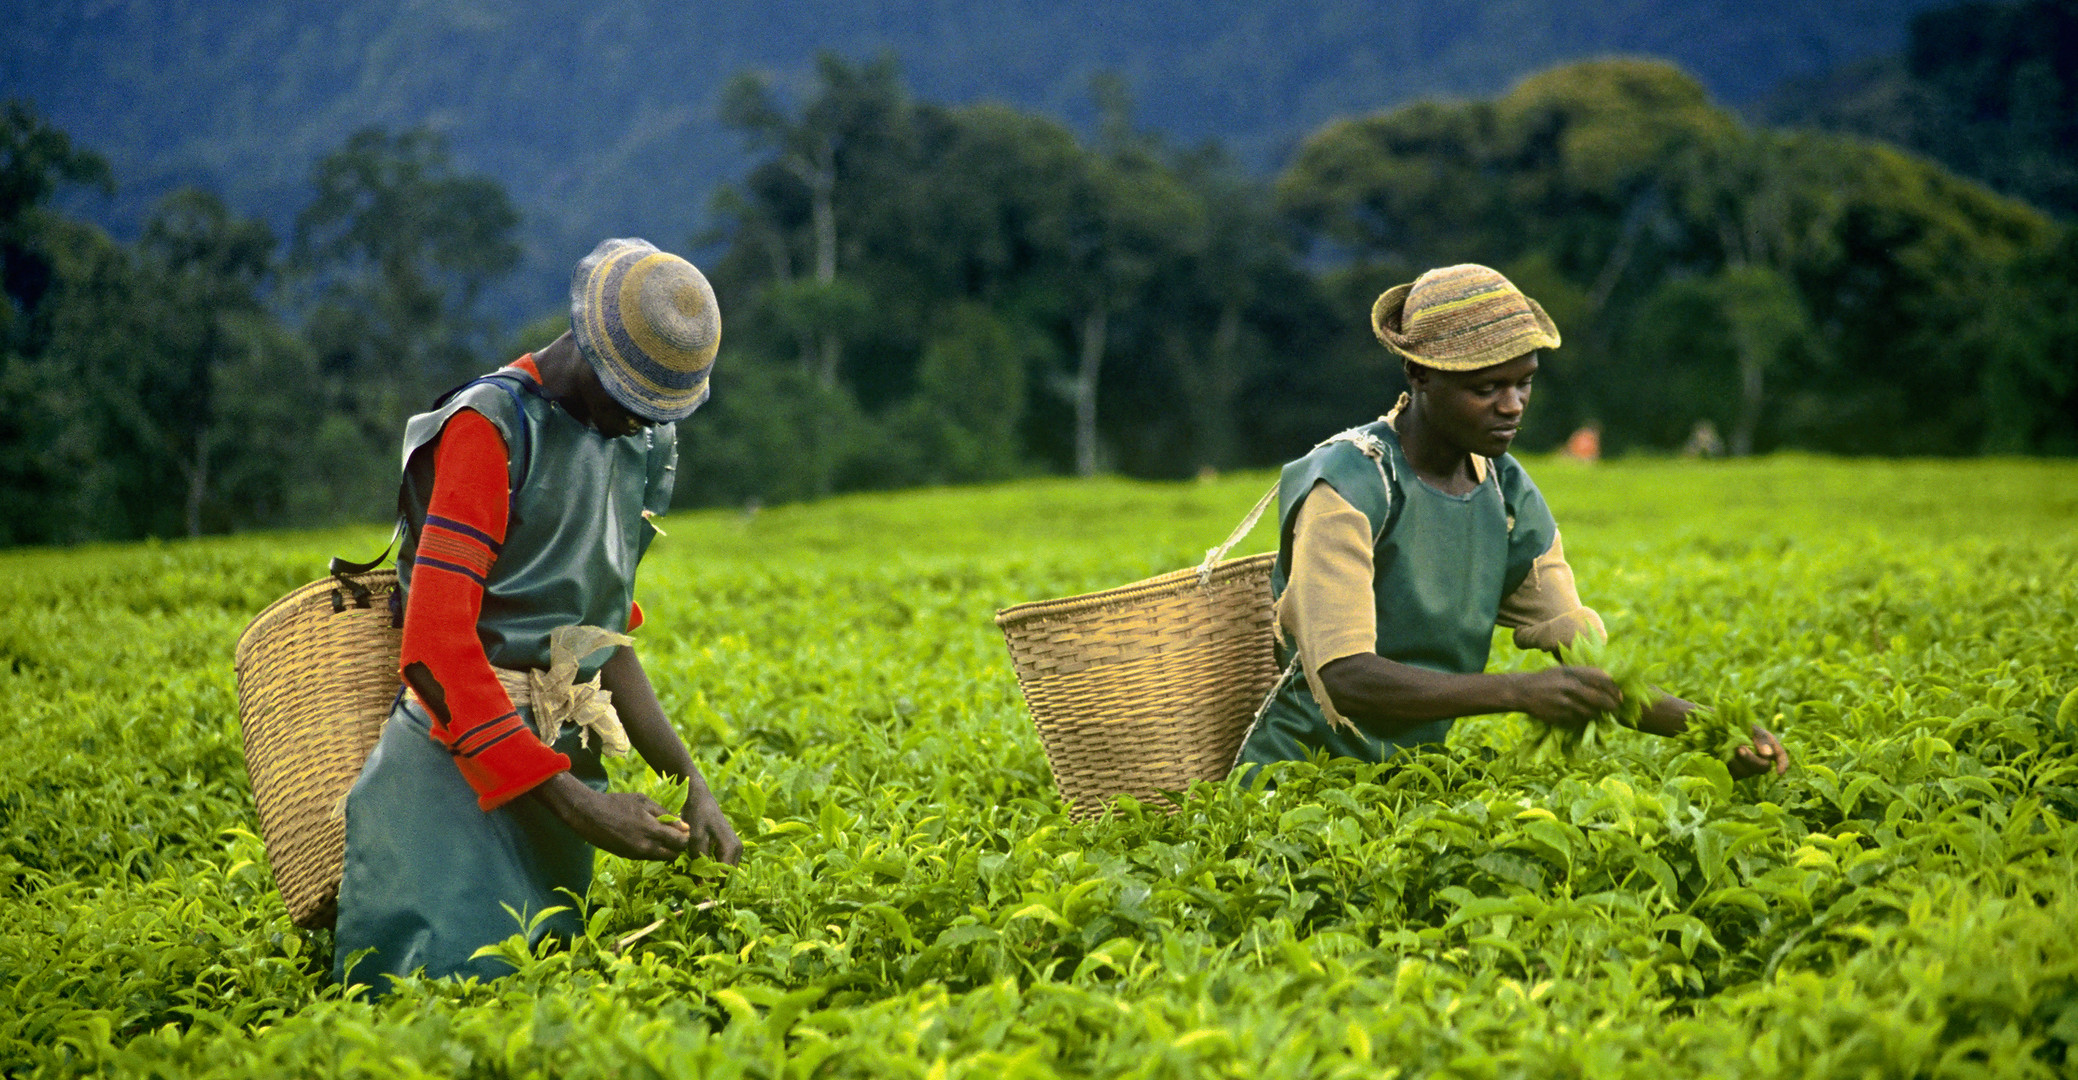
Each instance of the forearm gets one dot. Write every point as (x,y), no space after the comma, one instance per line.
(642,717)
(1388,697)
(651,734)
(561,795)
(1667,716)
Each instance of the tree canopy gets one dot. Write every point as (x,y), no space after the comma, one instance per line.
(916,292)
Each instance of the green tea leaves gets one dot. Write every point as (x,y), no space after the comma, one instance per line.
(914,902)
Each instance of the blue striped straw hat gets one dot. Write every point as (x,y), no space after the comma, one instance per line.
(648,323)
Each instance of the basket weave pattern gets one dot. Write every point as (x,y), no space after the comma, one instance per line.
(1141,689)
(317,673)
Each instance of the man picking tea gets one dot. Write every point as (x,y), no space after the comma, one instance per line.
(527,498)
(1403,544)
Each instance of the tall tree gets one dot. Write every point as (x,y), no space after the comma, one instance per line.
(36,160)
(42,452)
(397,245)
(1128,212)
(1621,179)
(1212,303)
(1987,89)
(855,114)
(205,270)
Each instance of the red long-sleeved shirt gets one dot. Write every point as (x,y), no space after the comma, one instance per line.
(500,757)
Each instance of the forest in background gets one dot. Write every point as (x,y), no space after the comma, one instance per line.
(917,292)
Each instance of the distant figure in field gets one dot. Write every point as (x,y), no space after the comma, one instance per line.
(1404,542)
(1703,442)
(527,496)
(1585,444)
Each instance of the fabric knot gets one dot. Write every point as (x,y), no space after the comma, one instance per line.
(558,699)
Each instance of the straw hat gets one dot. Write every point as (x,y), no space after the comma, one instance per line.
(1461,318)
(648,323)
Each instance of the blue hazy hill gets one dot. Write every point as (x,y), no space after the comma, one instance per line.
(599,117)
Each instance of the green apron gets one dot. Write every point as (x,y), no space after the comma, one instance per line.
(428,875)
(1441,564)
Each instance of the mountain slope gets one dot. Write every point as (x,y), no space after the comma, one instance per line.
(599,117)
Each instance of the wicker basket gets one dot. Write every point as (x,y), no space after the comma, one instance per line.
(1141,689)
(317,673)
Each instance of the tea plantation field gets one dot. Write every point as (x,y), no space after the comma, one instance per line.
(914,902)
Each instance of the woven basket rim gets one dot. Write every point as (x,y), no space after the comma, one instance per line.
(1032,610)
(283,607)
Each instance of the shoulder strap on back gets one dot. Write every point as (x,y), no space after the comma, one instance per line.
(1373,447)
(511,380)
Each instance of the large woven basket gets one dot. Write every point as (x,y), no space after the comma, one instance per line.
(317,672)
(1141,689)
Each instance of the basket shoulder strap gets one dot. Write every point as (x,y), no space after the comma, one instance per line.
(1263,710)
(341,568)
(520,454)
(1214,555)
(1371,446)
(345,571)
(511,381)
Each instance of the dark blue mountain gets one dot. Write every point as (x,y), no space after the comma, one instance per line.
(599,116)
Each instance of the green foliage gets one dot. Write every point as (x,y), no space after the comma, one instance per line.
(990,289)
(913,901)
(1987,89)
(394,249)
(1794,289)
(920,293)
(1634,681)
(36,161)
(156,389)
(772,434)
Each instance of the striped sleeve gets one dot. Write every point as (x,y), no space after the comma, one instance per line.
(442,658)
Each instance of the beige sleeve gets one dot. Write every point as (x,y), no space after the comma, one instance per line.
(1328,610)
(1545,610)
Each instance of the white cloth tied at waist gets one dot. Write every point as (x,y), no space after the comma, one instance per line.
(557,698)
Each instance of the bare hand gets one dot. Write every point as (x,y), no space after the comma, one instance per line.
(621,822)
(1766,753)
(1567,695)
(712,834)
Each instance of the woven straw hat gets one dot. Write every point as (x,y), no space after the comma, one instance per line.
(1461,318)
(648,323)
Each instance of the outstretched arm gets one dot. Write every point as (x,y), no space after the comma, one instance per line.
(1388,697)
(1669,716)
(1329,611)
(1546,613)
(651,734)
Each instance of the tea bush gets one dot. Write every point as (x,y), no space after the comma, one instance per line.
(914,902)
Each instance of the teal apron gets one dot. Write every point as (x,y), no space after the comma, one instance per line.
(1441,565)
(428,874)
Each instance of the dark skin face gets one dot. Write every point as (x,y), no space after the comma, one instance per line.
(568,378)
(1457,414)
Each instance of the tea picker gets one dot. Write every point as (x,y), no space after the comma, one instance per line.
(1403,544)
(526,503)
